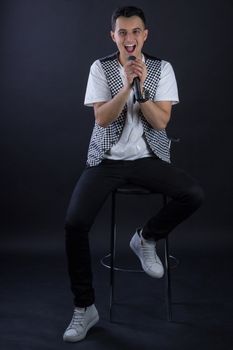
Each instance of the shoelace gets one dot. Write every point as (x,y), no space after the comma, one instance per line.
(149,252)
(77,319)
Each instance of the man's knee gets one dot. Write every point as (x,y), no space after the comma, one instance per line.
(195,196)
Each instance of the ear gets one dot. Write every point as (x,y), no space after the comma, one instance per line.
(113,36)
(145,34)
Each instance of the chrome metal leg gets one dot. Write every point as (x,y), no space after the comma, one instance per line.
(168,281)
(167,274)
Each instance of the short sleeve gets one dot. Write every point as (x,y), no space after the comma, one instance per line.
(167,87)
(97,87)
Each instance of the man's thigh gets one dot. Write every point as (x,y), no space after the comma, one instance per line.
(162,177)
(91,191)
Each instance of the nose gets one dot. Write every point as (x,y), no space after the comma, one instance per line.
(129,37)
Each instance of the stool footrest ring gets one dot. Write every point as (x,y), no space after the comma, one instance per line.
(126,269)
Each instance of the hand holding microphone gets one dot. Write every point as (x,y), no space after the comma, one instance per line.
(139,96)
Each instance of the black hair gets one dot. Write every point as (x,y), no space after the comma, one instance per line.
(127,11)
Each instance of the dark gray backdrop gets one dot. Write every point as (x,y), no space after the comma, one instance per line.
(47,47)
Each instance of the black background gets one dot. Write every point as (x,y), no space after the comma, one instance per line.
(46,49)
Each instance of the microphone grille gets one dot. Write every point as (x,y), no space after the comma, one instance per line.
(131,58)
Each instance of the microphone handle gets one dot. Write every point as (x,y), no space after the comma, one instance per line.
(137,89)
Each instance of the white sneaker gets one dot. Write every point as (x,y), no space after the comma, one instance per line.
(146,251)
(83,319)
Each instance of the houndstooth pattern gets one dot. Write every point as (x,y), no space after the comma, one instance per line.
(103,139)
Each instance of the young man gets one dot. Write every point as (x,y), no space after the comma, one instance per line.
(128,144)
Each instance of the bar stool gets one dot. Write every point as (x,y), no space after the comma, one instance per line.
(170,261)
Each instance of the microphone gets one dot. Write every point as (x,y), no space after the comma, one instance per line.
(136,84)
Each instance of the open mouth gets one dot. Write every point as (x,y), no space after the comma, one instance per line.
(130,48)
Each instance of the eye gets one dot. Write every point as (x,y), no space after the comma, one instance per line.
(137,31)
(122,32)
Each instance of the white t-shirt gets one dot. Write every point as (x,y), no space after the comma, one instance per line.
(132,144)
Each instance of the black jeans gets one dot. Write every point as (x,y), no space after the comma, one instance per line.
(92,189)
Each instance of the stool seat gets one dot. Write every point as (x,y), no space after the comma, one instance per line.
(133,189)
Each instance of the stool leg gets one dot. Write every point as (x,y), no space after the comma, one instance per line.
(168,277)
(112,254)
(168,281)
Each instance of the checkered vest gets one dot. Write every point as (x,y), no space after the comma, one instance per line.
(103,139)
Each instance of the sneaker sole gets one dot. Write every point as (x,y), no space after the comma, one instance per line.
(81,337)
(143,266)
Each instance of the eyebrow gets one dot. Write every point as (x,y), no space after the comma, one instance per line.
(137,28)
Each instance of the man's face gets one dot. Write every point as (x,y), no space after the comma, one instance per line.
(129,36)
